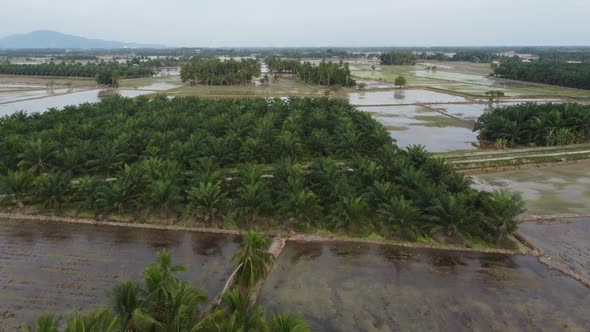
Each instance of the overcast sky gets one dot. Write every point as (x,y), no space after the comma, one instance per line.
(307,22)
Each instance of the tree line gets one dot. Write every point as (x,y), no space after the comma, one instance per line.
(302,163)
(163,302)
(538,124)
(75,70)
(325,73)
(477,56)
(213,71)
(573,75)
(399,58)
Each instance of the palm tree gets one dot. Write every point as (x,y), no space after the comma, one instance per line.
(403,217)
(379,192)
(86,190)
(288,323)
(348,211)
(54,188)
(253,198)
(37,156)
(163,195)
(19,184)
(107,158)
(45,323)
(115,196)
(452,213)
(300,204)
(208,198)
(249,317)
(502,208)
(97,321)
(252,260)
(125,301)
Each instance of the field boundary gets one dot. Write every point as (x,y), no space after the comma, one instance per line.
(296,237)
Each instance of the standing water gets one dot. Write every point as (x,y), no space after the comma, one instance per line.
(59,268)
(344,287)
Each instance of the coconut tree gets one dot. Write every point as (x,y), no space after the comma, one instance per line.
(243,314)
(252,260)
(125,301)
(45,323)
(97,321)
(288,323)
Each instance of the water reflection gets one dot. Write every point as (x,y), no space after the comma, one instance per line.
(59,101)
(62,267)
(386,288)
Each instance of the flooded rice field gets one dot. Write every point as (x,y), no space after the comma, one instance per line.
(459,77)
(400,97)
(375,84)
(159,86)
(63,267)
(60,101)
(565,240)
(343,287)
(13,96)
(468,112)
(17,86)
(422,125)
(551,190)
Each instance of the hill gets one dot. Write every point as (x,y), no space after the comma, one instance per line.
(52,39)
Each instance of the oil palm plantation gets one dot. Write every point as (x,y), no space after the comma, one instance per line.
(18,184)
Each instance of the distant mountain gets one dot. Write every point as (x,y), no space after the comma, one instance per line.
(52,39)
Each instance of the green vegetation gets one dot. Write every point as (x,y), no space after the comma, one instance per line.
(494,96)
(476,56)
(212,71)
(252,261)
(326,73)
(538,124)
(573,75)
(165,303)
(304,163)
(400,81)
(75,70)
(398,58)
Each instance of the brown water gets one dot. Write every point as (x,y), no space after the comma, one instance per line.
(64,267)
(566,240)
(341,287)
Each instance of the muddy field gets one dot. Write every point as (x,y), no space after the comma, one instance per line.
(339,287)
(554,190)
(565,240)
(63,267)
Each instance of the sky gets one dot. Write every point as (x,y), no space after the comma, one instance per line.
(277,23)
